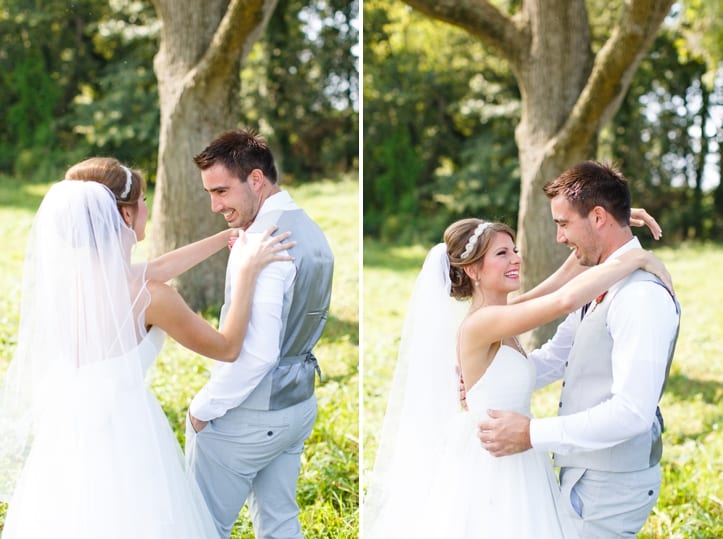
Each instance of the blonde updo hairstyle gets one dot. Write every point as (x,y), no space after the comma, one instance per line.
(456,237)
(111,173)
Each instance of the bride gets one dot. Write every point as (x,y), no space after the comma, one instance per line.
(85,449)
(432,478)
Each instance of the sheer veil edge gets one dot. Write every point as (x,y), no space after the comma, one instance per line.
(423,402)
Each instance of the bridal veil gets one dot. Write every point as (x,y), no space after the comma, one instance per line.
(423,403)
(74,378)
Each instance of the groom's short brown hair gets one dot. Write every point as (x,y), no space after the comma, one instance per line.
(240,151)
(589,184)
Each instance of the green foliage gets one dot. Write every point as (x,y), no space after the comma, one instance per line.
(117,112)
(44,53)
(301,82)
(439,117)
(662,137)
(690,502)
(30,119)
(77,80)
(704,33)
(440,113)
(488,182)
(328,486)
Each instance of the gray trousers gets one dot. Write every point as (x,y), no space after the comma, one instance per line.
(607,505)
(256,455)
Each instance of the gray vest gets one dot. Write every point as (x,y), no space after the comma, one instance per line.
(304,314)
(588,382)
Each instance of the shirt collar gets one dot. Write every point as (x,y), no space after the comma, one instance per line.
(278,201)
(632,244)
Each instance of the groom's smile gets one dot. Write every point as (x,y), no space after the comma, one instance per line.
(230,196)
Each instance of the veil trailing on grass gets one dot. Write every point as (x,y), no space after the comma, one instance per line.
(423,401)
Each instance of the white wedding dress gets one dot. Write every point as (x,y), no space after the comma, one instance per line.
(461,491)
(105,462)
(479,495)
(432,479)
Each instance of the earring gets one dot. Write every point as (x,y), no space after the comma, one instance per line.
(476,283)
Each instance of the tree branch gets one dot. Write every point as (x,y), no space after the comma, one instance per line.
(614,67)
(243,21)
(507,34)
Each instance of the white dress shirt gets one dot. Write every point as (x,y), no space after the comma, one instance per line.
(642,321)
(231,383)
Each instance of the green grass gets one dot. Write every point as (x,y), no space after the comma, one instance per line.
(690,505)
(328,486)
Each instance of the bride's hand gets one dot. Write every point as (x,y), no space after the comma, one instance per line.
(640,217)
(233,234)
(259,250)
(652,264)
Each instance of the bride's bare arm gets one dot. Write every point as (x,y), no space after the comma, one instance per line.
(640,217)
(174,263)
(495,322)
(170,312)
(571,268)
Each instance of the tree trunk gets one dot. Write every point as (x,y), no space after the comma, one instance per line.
(568,93)
(202,48)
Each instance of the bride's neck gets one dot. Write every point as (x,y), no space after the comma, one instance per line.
(485,299)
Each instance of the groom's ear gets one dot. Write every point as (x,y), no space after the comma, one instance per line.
(256,179)
(599,216)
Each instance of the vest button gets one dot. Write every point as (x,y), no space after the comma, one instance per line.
(270,433)
(565,363)
(563,383)
(559,405)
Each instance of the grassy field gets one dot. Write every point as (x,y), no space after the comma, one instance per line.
(690,505)
(328,486)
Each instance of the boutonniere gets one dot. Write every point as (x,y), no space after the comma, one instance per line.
(598,300)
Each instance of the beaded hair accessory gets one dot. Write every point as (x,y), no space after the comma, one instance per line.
(473,240)
(129,183)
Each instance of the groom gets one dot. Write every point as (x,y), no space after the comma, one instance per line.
(614,358)
(247,426)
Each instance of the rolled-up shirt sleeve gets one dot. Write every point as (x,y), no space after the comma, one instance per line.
(549,360)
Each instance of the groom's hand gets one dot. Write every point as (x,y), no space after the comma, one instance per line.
(197,424)
(505,434)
